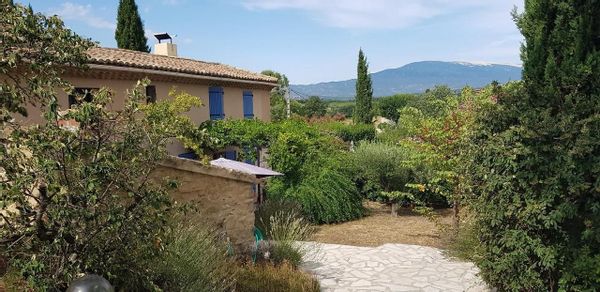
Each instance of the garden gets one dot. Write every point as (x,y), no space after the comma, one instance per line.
(505,176)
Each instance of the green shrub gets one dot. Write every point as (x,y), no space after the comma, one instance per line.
(286,230)
(98,209)
(301,152)
(536,167)
(194,259)
(328,197)
(272,206)
(270,278)
(389,106)
(382,167)
(287,227)
(286,252)
(350,132)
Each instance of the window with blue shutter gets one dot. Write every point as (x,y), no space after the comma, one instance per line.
(215,103)
(231,155)
(248,100)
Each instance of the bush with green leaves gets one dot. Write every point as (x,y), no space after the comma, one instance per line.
(302,153)
(314,106)
(195,258)
(286,230)
(326,196)
(83,200)
(537,162)
(349,132)
(382,167)
(389,106)
(270,208)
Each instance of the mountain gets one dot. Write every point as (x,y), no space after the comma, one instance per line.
(416,78)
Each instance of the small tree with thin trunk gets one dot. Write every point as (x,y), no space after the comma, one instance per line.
(130,29)
(363,112)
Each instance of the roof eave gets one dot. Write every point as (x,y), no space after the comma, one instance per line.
(179,74)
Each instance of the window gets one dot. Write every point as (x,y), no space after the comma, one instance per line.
(215,103)
(231,155)
(150,94)
(81,94)
(248,100)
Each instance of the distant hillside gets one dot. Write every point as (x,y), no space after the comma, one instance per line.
(416,78)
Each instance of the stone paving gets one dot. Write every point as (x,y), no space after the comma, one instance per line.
(390,267)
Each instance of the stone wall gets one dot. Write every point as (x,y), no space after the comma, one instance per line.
(224,198)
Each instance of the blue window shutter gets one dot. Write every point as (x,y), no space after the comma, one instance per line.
(231,155)
(215,103)
(248,100)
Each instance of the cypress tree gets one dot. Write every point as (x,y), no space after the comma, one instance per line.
(130,29)
(363,110)
(537,169)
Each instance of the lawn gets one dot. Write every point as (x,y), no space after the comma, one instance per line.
(380,227)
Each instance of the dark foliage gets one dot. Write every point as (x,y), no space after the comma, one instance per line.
(537,168)
(389,106)
(130,29)
(363,112)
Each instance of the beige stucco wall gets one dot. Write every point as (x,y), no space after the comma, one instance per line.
(223,198)
(232,98)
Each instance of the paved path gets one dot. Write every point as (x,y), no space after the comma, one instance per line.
(390,267)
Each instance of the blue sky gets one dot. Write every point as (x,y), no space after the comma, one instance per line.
(313,40)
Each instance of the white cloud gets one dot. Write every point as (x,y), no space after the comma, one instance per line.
(375,14)
(84,13)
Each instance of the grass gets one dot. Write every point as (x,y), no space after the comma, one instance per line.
(270,278)
(379,227)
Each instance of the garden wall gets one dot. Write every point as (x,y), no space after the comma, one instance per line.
(224,198)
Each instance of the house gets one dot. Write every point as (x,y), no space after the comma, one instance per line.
(226,91)
(225,197)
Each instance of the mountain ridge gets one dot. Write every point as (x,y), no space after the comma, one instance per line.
(416,77)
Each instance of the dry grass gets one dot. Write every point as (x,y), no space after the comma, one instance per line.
(270,278)
(380,227)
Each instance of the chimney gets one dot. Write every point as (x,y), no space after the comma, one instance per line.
(166,48)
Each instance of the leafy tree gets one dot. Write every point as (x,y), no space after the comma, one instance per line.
(389,106)
(278,103)
(130,33)
(363,112)
(314,106)
(310,160)
(537,166)
(35,51)
(82,200)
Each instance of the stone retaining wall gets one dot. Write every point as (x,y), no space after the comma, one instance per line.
(224,198)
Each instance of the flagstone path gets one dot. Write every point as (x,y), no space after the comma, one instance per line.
(390,267)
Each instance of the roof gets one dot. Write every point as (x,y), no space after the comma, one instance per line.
(129,58)
(244,167)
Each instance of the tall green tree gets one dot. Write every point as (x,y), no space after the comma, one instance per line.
(363,112)
(314,107)
(537,168)
(130,29)
(278,104)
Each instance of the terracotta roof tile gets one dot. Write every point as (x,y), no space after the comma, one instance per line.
(121,57)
